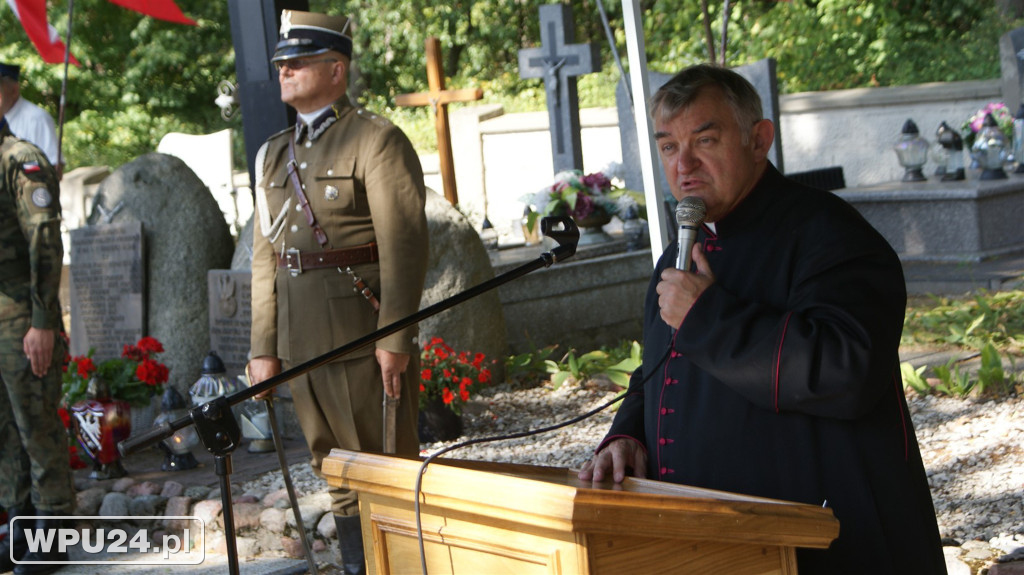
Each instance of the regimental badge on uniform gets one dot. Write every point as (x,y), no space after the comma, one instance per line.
(330,192)
(41,197)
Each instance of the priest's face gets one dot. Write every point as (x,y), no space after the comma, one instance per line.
(707,154)
(313,82)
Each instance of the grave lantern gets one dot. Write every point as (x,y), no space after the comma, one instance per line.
(213,381)
(990,149)
(1018,139)
(951,141)
(178,447)
(255,424)
(912,151)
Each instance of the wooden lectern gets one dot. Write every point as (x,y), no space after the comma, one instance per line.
(482,518)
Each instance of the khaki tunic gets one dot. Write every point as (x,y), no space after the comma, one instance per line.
(364,184)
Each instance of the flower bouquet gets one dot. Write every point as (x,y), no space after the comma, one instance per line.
(589,198)
(1003,116)
(135,377)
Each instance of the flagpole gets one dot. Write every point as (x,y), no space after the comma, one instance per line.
(64,92)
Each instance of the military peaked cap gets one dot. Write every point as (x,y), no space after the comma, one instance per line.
(309,34)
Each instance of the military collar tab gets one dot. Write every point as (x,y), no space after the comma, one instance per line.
(320,123)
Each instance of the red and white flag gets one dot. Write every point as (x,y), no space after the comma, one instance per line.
(159,9)
(32,15)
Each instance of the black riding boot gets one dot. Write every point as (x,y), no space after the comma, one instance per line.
(15,538)
(45,523)
(350,539)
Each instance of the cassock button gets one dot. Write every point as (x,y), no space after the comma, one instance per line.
(663,470)
(664,410)
(662,441)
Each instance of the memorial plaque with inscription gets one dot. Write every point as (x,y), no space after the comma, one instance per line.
(107,288)
(230,317)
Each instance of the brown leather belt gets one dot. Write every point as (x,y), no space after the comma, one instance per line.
(297,262)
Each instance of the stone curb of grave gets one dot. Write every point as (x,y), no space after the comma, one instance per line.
(264,522)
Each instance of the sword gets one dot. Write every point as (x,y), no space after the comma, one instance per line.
(279,446)
(287,476)
(390,407)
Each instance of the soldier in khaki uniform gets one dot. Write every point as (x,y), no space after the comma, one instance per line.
(35,475)
(364,223)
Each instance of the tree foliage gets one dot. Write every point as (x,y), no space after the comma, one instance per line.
(141,78)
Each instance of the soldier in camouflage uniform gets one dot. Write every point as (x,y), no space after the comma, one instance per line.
(35,476)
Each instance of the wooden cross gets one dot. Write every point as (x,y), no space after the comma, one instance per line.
(438,99)
(559,62)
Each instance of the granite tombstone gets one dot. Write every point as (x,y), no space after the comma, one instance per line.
(107,288)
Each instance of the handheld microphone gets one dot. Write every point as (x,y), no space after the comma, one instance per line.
(690,212)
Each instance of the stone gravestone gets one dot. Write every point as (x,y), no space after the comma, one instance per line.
(559,62)
(185,235)
(1011,63)
(230,293)
(107,288)
(761,74)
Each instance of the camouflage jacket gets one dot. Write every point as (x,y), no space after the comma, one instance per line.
(31,252)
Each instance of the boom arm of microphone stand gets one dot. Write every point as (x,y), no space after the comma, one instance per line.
(561,229)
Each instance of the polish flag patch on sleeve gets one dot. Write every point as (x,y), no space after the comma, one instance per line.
(30,167)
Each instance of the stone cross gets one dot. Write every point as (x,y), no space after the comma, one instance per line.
(438,99)
(559,61)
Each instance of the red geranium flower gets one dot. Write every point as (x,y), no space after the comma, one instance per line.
(64,417)
(150,345)
(151,372)
(447,375)
(85,366)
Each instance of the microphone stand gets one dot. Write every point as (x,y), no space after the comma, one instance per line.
(216,425)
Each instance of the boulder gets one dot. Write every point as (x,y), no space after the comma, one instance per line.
(459,261)
(185,236)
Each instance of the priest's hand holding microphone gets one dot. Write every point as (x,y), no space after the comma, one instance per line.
(678,291)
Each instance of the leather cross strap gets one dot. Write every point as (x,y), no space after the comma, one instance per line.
(293,172)
(297,262)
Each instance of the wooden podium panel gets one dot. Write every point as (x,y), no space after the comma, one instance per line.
(484,518)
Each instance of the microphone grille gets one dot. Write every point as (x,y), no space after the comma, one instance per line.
(690,211)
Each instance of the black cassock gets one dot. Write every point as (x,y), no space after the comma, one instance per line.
(784,380)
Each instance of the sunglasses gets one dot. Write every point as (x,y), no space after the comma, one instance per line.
(299,64)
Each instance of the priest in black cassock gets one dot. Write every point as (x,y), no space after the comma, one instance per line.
(771,367)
